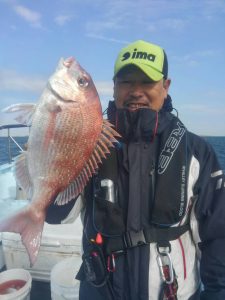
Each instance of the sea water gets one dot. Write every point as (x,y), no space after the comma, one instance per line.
(218,144)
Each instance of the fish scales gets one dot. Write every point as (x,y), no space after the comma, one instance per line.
(68,138)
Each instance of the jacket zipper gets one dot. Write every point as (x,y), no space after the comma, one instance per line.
(152,174)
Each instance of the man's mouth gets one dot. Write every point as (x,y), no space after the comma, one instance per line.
(134,106)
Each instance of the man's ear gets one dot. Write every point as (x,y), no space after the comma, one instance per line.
(166,84)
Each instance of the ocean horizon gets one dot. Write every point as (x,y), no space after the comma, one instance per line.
(217,142)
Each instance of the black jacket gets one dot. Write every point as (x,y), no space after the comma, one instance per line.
(136,275)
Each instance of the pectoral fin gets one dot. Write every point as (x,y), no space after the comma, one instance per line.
(23,112)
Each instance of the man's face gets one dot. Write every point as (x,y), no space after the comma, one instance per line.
(134,90)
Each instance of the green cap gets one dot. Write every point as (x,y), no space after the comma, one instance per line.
(150,58)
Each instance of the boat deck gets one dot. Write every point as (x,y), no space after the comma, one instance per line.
(40,290)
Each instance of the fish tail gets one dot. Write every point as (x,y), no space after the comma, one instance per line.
(29,225)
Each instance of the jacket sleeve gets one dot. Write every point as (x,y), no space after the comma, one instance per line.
(210,213)
(66,213)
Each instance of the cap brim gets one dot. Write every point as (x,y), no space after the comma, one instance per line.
(153,74)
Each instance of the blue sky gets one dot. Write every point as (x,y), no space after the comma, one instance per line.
(35,34)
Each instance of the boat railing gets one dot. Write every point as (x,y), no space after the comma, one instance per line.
(10,138)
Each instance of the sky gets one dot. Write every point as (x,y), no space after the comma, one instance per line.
(34,35)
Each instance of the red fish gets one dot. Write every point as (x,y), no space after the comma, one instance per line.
(67,140)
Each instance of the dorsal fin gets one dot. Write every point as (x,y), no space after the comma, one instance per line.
(106,140)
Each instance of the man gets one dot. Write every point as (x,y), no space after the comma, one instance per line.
(156,208)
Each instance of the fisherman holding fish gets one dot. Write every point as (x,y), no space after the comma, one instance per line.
(154,210)
(154,214)
(167,210)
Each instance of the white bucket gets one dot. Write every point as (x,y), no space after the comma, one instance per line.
(10,282)
(63,282)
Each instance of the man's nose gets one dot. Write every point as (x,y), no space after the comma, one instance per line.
(136,90)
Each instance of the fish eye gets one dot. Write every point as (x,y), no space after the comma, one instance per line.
(82,81)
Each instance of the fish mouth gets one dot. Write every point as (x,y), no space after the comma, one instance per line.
(132,106)
(58,96)
(68,62)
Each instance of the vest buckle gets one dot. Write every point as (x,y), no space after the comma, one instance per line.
(132,238)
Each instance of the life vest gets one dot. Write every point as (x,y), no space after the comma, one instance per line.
(106,228)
